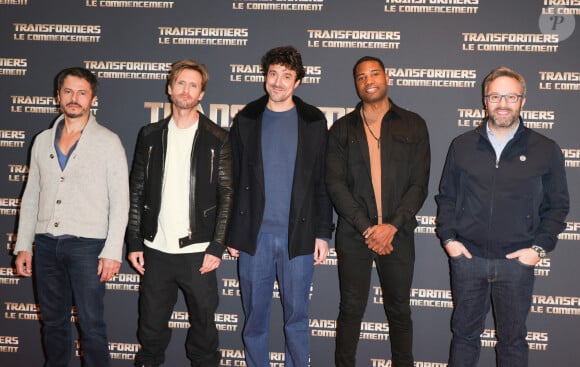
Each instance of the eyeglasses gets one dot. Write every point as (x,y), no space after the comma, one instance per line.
(496,98)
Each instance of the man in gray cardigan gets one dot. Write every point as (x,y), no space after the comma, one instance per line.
(74,209)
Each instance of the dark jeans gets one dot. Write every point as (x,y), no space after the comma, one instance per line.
(164,275)
(395,271)
(477,284)
(67,268)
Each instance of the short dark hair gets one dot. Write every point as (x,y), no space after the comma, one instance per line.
(287,56)
(366,58)
(178,66)
(79,72)
(503,71)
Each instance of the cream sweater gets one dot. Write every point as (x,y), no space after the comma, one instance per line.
(90,198)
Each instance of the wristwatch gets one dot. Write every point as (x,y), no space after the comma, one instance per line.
(540,251)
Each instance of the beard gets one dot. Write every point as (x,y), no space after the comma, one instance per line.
(378,96)
(184,104)
(504,121)
(68,113)
(72,115)
(278,94)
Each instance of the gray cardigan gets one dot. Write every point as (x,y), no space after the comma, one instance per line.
(90,198)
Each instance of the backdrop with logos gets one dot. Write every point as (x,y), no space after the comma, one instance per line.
(436,52)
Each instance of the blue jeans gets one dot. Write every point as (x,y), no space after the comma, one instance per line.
(477,284)
(67,268)
(257,274)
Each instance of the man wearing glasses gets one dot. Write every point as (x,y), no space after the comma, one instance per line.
(502,200)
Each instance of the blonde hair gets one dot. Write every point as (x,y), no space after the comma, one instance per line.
(188,64)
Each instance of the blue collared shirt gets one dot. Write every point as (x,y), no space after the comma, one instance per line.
(497,145)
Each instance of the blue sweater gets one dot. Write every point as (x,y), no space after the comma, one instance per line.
(279,146)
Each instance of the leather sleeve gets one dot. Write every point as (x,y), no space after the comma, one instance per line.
(134,237)
(225,199)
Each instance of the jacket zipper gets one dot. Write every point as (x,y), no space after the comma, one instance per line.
(497,161)
(491,201)
(192,184)
(211,165)
(148,161)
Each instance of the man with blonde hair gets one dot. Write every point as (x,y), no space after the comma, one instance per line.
(181,192)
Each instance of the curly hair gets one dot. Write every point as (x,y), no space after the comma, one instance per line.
(287,56)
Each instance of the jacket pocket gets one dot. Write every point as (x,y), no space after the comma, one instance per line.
(209,211)
(403,146)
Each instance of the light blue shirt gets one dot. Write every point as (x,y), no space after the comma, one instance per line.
(497,145)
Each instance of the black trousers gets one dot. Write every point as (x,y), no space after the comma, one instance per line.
(164,275)
(395,272)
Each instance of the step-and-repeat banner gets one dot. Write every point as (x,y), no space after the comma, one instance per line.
(436,52)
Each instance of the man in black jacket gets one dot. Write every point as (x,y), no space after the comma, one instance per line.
(282,216)
(502,200)
(377,176)
(181,197)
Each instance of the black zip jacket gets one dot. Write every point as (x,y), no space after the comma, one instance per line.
(405,163)
(495,207)
(210,196)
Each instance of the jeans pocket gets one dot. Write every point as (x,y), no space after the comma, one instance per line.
(457,257)
(530,266)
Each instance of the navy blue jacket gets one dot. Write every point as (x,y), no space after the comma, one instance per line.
(310,207)
(497,207)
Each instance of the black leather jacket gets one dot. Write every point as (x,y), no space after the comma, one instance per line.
(210,198)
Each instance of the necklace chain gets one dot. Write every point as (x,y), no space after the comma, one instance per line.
(378,139)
